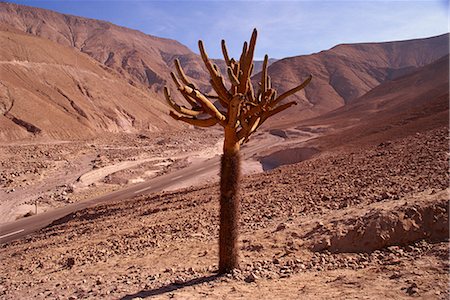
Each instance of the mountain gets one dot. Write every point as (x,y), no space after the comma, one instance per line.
(348,71)
(340,74)
(411,103)
(139,57)
(51,90)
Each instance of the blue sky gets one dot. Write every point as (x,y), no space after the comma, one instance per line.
(286,28)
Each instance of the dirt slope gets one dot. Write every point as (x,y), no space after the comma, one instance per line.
(50,90)
(346,72)
(341,74)
(411,103)
(165,245)
(139,57)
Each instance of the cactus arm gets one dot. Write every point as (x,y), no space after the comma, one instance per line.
(243,122)
(264,75)
(266,98)
(233,79)
(216,78)
(175,79)
(242,57)
(244,134)
(273,112)
(251,49)
(179,109)
(212,96)
(247,62)
(255,122)
(291,91)
(250,91)
(234,111)
(191,101)
(225,53)
(236,68)
(253,125)
(194,121)
(262,105)
(196,98)
(278,109)
(274,95)
(182,75)
(222,102)
(257,109)
(207,106)
(250,71)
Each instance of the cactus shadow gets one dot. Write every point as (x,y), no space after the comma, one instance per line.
(171,287)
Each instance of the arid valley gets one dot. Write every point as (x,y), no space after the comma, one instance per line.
(104,195)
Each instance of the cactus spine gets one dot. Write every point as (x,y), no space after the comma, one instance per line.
(244,113)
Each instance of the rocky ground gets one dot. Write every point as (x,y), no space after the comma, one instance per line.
(55,174)
(362,223)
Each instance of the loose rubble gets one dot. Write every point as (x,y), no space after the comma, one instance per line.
(294,222)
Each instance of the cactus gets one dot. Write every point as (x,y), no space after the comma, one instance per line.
(242,112)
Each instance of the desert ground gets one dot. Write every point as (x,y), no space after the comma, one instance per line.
(343,196)
(364,222)
(54,174)
(58,173)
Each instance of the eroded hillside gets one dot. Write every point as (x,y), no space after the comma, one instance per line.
(49,90)
(341,74)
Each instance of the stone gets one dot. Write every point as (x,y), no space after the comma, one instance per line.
(281,226)
(412,289)
(251,278)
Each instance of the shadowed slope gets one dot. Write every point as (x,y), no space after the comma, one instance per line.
(51,90)
(411,103)
(346,72)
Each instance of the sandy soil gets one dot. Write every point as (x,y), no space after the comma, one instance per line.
(54,174)
(389,202)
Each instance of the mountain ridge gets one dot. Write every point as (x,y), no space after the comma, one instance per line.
(68,95)
(340,75)
(348,71)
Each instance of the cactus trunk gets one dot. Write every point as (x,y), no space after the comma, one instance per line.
(229,207)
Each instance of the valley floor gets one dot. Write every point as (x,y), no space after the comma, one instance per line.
(362,223)
(54,174)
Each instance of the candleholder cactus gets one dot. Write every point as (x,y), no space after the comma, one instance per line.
(241,113)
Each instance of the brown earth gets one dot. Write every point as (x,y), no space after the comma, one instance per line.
(54,174)
(348,71)
(411,103)
(68,95)
(341,73)
(164,245)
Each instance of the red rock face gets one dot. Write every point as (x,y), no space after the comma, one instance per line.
(397,108)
